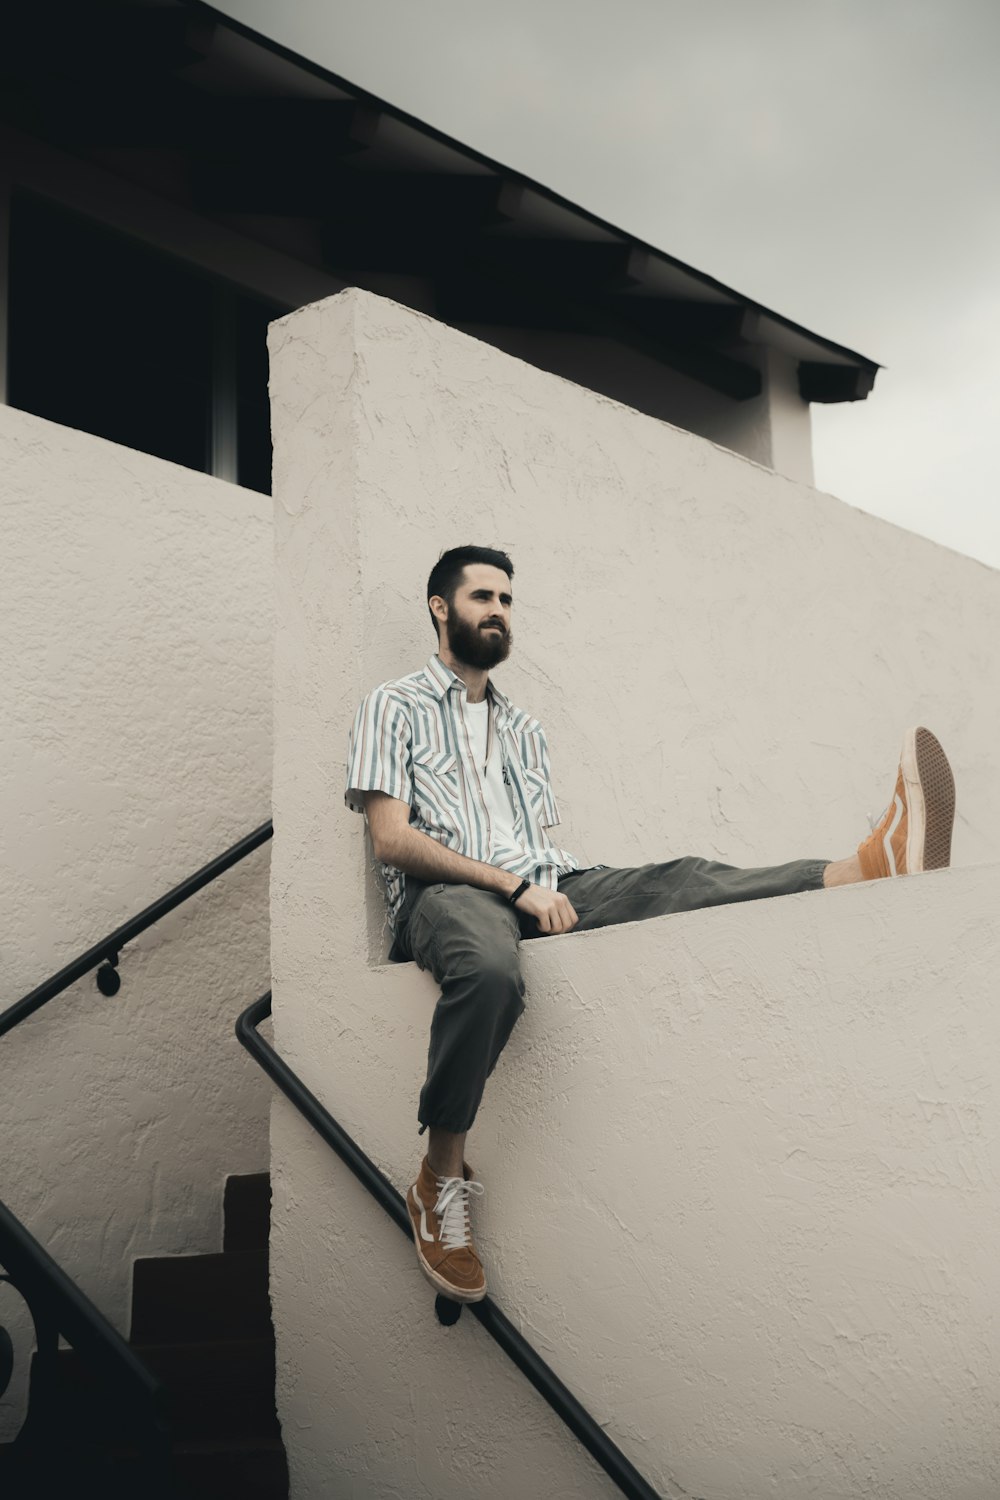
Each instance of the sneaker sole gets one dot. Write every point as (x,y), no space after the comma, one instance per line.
(930,789)
(445,1287)
(437,1281)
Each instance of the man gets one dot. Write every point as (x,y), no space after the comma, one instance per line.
(455,783)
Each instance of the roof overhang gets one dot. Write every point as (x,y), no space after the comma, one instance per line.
(244,129)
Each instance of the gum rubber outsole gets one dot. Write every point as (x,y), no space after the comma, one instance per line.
(938,785)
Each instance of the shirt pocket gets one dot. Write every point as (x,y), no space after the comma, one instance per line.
(532,742)
(436,783)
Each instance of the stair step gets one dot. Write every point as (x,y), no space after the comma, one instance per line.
(220,1390)
(247,1212)
(91,1412)
(198,1298)
(217,1390)
(222,1471)
(85,1475)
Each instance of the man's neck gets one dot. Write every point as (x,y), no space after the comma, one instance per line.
(475,678)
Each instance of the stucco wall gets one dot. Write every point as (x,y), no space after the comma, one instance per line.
(136,746)
(773,428)
(740,1165)
(741,1193)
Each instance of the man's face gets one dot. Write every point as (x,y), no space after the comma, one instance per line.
(478,625)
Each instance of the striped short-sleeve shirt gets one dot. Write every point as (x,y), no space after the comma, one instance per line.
(411,739)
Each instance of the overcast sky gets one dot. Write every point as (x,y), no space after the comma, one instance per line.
(838,163)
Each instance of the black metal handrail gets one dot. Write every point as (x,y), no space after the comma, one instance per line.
(50,1435)
(35,1274)
(562,1401)
(107,950)
(57,1305)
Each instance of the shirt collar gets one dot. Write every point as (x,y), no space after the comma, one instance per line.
(443,679)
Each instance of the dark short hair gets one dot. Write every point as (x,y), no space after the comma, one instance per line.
(448,573)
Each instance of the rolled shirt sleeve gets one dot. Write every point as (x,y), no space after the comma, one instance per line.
(378,751)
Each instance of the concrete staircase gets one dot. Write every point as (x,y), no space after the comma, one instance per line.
(202,1324)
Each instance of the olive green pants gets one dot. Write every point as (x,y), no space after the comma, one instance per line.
(469,939)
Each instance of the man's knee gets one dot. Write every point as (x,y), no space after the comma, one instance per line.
(480,1009)
(500,988)
(499,1004)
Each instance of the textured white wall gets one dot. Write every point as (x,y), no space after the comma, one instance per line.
(740,1165)
(773,428)
(741,1172)
(136,746)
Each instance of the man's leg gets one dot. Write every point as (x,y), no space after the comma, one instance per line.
(606,897)
(843,871)
(913,835)
(445,1151)
(468,939)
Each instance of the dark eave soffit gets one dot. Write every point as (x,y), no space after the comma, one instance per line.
(387,192)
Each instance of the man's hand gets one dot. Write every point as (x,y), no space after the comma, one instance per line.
(551,909)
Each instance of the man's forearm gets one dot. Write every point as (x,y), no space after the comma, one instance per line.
(418,854)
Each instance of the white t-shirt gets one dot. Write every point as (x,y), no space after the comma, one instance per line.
(495,792)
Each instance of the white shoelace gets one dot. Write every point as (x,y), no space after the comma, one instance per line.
(874,822)
(452,1208)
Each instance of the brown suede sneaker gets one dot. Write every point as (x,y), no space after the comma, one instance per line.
(914,832)
(439,1212)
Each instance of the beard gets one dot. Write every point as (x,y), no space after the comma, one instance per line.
(475,647)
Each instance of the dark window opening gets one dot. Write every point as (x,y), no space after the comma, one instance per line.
(112,336)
